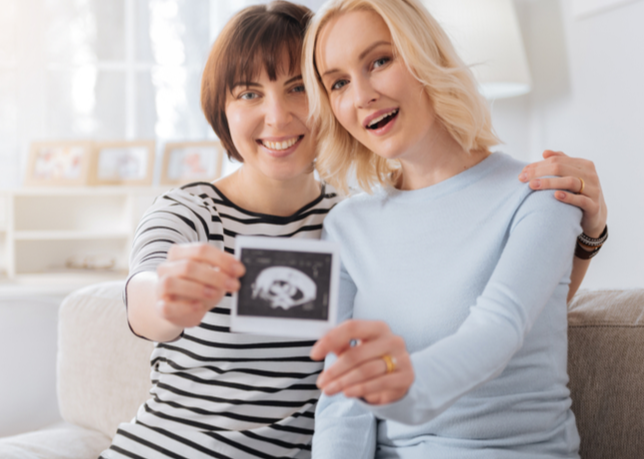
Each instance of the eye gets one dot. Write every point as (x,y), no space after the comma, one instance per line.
(380,62)
(299,88)
(338,85)
(248,95)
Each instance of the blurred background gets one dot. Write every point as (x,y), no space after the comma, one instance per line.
(570,78)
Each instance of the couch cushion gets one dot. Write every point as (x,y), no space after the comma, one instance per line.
(103,369)
(606,368)
(62,441)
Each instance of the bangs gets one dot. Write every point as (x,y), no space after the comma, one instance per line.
(272,43)
(258,38)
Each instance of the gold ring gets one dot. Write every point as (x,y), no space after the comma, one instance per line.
(583,185)
(390,362)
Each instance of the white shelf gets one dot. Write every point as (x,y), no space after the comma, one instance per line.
(89,191)
(60,282)
(69,235)
(41,229)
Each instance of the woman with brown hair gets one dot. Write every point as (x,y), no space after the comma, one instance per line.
(217,393)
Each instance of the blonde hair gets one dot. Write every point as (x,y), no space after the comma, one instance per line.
(430,57)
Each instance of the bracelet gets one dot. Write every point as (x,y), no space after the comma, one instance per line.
(594,243)
(584,254)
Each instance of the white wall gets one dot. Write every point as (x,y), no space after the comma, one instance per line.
(28,335)
(588,101)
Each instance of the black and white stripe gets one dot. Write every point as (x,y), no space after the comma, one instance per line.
(215,393)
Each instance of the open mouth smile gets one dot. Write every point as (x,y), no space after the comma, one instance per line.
(280,146)
(381,121)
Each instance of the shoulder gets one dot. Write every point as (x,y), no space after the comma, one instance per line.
(504,170)
(358,206)
(183,209)
(190,195)
(192,199)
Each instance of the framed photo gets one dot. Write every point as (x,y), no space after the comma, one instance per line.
(58,163)
(186,162)
(290,287)
(122,163)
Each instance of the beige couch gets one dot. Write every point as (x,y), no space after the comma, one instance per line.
(103,375)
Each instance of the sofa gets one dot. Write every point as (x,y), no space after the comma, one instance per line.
(103,375)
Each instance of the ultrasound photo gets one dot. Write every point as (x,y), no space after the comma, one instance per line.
(285,284)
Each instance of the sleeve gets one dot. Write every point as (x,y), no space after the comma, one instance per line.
(536,259)
(343,428)
(176,217)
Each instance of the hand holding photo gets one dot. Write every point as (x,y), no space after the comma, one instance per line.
(290,287)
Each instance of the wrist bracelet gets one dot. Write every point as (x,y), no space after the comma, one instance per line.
(594,243)
(584,254)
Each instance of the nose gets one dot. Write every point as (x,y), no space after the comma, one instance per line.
(278,113)
(364,92)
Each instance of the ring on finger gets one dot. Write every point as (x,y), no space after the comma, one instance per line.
(390,362)
(583,185)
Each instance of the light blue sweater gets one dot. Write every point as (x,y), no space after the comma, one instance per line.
(473,273)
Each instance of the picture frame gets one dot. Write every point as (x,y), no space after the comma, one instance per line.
(125,163)
(58,163)
(186,162)
(290,287)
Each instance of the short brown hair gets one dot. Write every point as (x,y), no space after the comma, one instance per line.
(255,39)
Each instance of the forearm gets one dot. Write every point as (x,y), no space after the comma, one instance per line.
(141,313)
(343,428)
(579,269)
(346,436)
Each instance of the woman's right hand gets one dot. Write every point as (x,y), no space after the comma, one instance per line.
(193,280)
(361,370)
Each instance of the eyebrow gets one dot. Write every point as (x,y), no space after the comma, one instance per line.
(257,85)
(246,84)
(295,78)
(362,54)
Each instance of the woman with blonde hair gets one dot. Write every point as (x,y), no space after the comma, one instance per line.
(455,273)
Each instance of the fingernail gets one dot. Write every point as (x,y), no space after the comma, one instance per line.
(209,291)
(523,176)
(560,195)
(536,183)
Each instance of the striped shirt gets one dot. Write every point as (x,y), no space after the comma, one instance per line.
(216,393)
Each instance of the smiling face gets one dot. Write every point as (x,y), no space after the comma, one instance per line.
(372,93)
(267,122)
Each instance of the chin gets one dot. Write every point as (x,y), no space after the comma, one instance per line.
(387,151)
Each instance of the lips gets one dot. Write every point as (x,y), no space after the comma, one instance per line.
(280,144)
(380,119)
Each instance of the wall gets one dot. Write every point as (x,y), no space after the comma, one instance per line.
(588,101)
(28,354)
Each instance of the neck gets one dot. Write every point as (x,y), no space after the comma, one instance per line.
(258,193)
(435,159)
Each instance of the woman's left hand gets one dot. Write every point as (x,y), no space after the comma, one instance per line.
(570,172)
(378,368)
